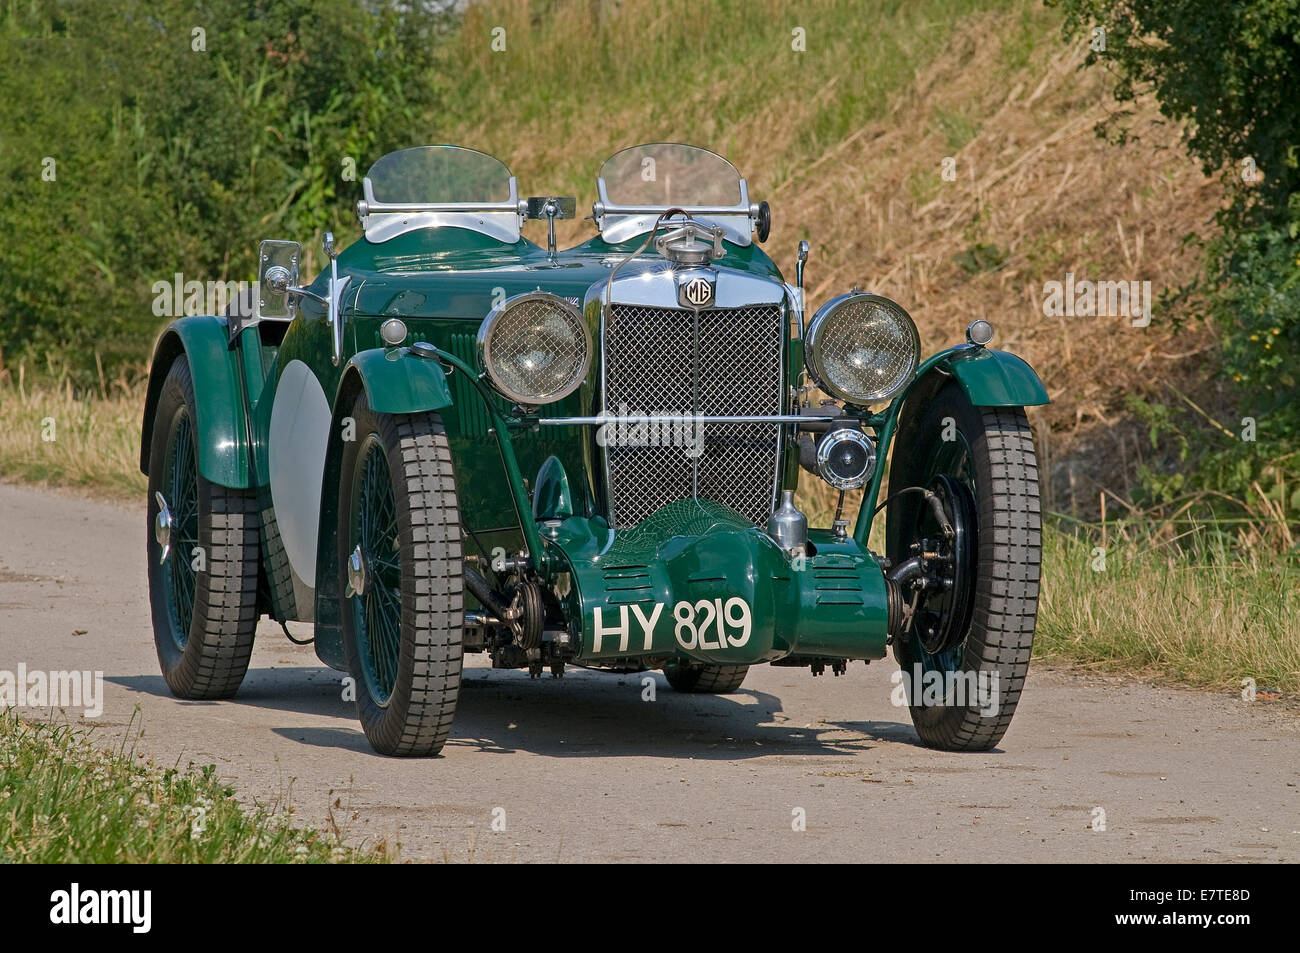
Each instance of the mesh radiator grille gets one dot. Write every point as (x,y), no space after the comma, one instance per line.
(651,367)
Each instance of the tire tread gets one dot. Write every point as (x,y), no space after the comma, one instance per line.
(418,720)
(1007,587)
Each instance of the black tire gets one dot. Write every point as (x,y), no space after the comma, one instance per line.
(997,634)
(424,673)
(203,620)
(705,679)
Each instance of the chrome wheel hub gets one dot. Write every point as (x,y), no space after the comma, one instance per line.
(162,527)
(356,573)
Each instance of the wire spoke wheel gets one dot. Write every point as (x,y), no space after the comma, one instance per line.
(965,653)
(182,481)
(203,553)
(400,577)
(377,608)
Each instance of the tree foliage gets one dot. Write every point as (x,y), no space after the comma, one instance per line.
(141,139)
(1227,71)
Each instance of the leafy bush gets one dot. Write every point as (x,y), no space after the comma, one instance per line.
(144,139)
(1259,303)
(1228,73)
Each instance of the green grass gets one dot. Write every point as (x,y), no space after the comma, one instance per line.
(1200,609)
(64,800)
(1020,44)
(571,89)
(956,128)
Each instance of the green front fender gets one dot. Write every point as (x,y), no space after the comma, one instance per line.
(398,382)
(994,378)
(395,382)
(202,340)
(988,378)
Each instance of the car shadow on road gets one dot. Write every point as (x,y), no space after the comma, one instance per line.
(600,714)
(585,714)
(308,690)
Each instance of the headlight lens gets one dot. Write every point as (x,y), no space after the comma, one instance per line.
(862,348)
(535,348)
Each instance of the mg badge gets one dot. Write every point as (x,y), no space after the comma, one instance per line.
(696,293)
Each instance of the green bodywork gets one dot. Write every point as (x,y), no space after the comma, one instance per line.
(531,488)
(993,378)
(224,456)
(625,588)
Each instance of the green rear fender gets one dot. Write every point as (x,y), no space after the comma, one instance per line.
(202,340)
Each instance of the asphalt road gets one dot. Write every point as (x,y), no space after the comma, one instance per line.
(586,770)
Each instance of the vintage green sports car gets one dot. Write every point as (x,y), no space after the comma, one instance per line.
(454,439)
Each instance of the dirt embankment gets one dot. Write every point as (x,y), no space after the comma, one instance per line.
(1037,195)
(1032,195)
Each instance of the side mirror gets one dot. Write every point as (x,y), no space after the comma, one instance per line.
(277,273)
(278,290)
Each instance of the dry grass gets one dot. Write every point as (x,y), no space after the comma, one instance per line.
(1043,196)
(580,80)
(850,158)
(49,435)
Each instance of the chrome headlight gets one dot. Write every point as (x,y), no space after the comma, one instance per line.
(535,347)
(862,348)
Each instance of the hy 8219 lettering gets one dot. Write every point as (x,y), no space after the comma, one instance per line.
(708,624)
